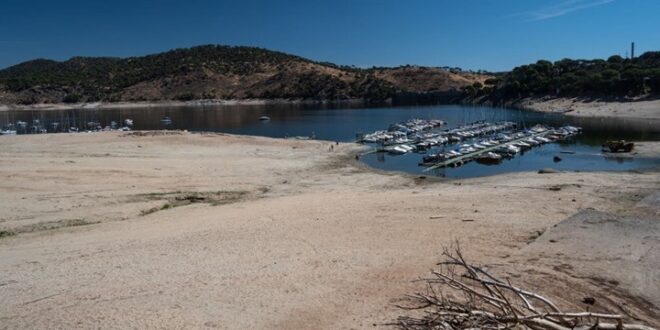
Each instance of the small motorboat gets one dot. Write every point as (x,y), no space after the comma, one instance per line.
(264,118)
(467,150)
(166,120)
(532,142)
(8,132)
(512,149)
(398,150)
(489,158)
(523,145)
(478,146)
(453,153)
(408,147)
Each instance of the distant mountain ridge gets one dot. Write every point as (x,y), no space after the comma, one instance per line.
(216,72)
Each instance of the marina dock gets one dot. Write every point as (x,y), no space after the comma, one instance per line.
(469,156)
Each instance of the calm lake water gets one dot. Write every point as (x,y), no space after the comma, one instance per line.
(342,124)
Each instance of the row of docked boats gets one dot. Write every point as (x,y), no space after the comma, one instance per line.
(499,146)
(422,142)
(480,128)
(37,127)
(402,132)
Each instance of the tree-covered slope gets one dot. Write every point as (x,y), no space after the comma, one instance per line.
(614,77)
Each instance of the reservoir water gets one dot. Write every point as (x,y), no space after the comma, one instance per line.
(580,153)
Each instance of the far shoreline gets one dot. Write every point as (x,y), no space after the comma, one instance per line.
(573,107)
(173,103)
(584,108)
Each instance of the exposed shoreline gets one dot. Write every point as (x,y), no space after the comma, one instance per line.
(576,107)
(126,229)
(170,103)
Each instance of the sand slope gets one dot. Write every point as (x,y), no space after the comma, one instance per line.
(649,109)
(313,240)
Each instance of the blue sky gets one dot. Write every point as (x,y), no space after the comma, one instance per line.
(473,34)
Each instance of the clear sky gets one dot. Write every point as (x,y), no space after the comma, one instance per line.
(473,34)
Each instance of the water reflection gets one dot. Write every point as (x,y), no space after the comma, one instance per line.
(327,122)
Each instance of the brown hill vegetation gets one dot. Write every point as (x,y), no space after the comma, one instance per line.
(214,72)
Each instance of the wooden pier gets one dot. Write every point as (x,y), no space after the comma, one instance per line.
(472,155)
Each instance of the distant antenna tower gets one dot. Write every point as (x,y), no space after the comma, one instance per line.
(632,50)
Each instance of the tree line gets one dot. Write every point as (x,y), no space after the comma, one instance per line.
(614,77)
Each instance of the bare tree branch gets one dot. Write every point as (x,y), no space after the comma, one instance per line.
(491,303)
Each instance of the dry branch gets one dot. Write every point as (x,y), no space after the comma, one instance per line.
(488,302)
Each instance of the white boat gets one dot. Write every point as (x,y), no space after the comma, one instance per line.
(572,129)
(453,153)
(400,140)
(538,129)
(8,132)
(513,149)
(523,145)
(531,141)
(503,137)
(398,150)
(479,146)
(407,147)
(467,150)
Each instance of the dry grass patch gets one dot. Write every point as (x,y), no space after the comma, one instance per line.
(182,198)
(47,225)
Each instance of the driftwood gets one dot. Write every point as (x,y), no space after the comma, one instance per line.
(487,302)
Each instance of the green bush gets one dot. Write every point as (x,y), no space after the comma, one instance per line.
(72,98)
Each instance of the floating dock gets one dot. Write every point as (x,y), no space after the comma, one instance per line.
(472,155)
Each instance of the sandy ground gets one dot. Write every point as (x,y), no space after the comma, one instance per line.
(580,108)
(141,230)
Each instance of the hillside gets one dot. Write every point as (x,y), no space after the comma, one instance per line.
(214,72)
(614,78)
(424,79)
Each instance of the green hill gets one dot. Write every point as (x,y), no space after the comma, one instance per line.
(615,77)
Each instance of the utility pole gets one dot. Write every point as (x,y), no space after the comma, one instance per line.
(632,50)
